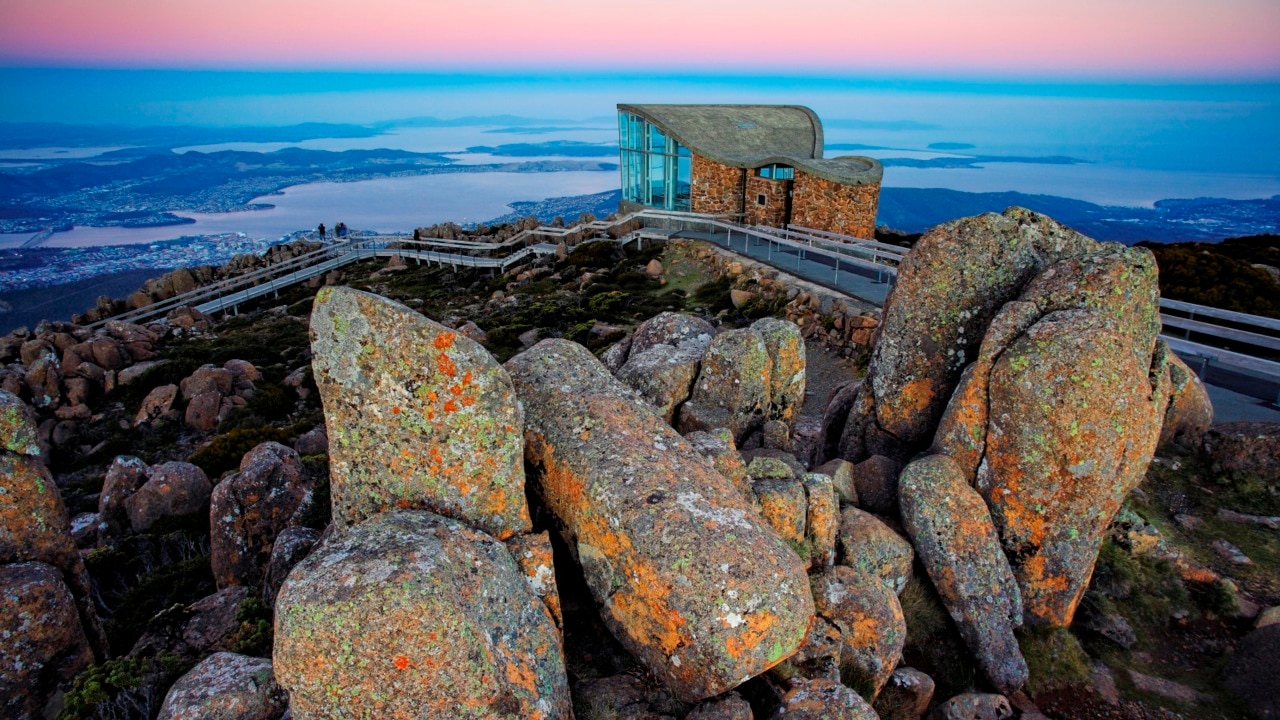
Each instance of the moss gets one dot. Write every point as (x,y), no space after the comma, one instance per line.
(225,451)
(253,635)
(1149,588)
(713,296)
(1054,658)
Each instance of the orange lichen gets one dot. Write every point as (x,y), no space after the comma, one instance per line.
(446,365)
(401,662)
(758,625)
(455,389)
(451,406)
(444,340)
(468,401)
(395,410)
(466,378)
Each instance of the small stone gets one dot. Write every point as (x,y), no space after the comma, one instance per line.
(974,706)
(906,696)
(822,700)
(1229,552)
(1167,688)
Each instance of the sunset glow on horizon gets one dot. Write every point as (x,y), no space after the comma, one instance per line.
(1084,38)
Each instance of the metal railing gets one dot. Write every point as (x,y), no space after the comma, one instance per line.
(831,259)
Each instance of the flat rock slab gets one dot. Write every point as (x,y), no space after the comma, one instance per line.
(418,416)
(688,577)
(410,614)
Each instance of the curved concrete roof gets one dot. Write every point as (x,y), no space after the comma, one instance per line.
(750,136)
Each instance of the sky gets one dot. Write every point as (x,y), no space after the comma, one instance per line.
(1153,40)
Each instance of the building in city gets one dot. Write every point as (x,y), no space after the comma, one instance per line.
(761,164)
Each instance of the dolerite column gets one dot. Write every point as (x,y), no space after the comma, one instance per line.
(686,574)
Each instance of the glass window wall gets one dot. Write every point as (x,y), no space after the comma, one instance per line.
(656,170)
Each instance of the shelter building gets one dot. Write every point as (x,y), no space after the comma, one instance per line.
(762,164)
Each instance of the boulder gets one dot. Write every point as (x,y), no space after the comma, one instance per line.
(535,558)
(17,426)
(250,508)
(974,706)
(417,416)
(291,546)
(410,614)
(822,518)
(785,347)
(44,382)
(729,707)
(688,578)
(956,541)
(1190,411)
(663,375)
(865,543)
(679,330)
(213,618)
(172,489)
(158,405)
(875,482)
(872,628)
(43,644)
(949,288)
(784,508)
(207,379)
(313,442)
(906,696)
(1245,448)
(226,686)
(841,474)
(125,475)
(822,700)
(203,410)
(733,384)
(835,414)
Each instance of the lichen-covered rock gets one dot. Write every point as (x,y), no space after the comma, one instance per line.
(417,415)
(785,347)
(663,375)
(207,379)
(44,382)
(729,707)
(974,706)
(817,657)
(17,426)
(33,520)
(42,645)
(157,405)
(822,700)
(871,547)
(410,614)
(949,288)
(687,576)
(171,489)
(822,518)
(783,506)
(226,686)
(213,618)
(1061,455)
(733,384)
(718,447)
(250,508)
(1246,448)
(876,484)
(534,556)
(906,696)
(841,474)
(956,541)
(125,475)
(291,546)
(872,628)
(1190,411)
(678,330)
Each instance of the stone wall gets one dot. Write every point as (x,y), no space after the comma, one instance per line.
(824,205)
(841,323)
(774,210)
(716,188)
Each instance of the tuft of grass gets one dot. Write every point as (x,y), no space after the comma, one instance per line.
(1054,658)
(224,452)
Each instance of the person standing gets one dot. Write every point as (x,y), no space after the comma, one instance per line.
(320,231)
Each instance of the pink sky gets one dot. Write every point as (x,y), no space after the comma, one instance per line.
(1094,38)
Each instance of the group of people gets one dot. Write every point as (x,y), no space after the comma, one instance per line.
(339,230)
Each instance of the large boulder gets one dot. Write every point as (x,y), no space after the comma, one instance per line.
(955,540)
(822,699)
(733,386)
(43,644)
(949,287)
(687,576)
(678,330)
(250,508)
(125,475)
(291,546)
(663,375)
(226,686)
(17,426)
(410,614)
(865,543)
(872,628)
(417,416)
(172,489)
